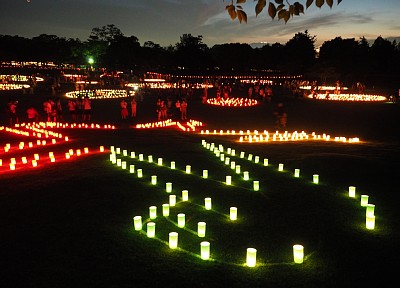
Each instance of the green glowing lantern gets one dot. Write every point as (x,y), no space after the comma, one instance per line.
(139,173)
(280,167)
(172,200)
(123,165)
(153,212)
(250,157)
(237,169)
(125,152)
(228,180)
(133,155)
(233,152)
(352,191)
(154,179)
(207,203)
(265,161)
(246,175)
(233,165)
(150,158)
(203,142)
(257,159)
(364,200)
(298,253)
(168,187)
(208,145)
(315,178)
(370,222)
(256,185)
(165,210)
(173,165)
(173,240)
(228,150)
(233,213)
(112,149)
(205,250)
(242,154)
(251,257)
(185,195)
(137,221)
(221,148)
(118,150)
(151,229)
(119,162)
(188,169)
(201,229)
(222,157)
(205,174)
(159,161)
(370,211)
(181,220)
(131,168)
(297,173)
(141,157)
(112,157)
(227,160)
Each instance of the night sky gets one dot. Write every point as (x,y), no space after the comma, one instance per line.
(164,21)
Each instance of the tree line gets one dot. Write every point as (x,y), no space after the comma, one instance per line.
(348,60)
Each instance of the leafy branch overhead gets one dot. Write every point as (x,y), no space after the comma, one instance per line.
(276,8)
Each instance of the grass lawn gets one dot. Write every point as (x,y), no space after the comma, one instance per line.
(70,223)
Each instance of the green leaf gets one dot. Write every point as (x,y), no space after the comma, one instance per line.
(242,16)
(330,3)
(308,3)
(271,10)
(319,3)
(260,6)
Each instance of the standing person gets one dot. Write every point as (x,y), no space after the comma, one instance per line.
(47,108)
(12,111)
(158,108)
(33,114)
(183,109)
(124,109)
(78,108)
(133,107)
(87,109)
(59,110)
(72,109)
(177,109)
(163,108)
(280,116)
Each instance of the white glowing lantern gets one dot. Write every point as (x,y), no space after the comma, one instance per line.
(67,156)
(125,152)
(173,240)
(36,156)
(123,165)
(153,212)
(118,150)
(233,213)
(298,253)
(168,187)
(370,222)
(112,149)
(205,174)
(151,229)
(257,159)
(228,150)
(119,162)
(12,166)
(131,168)
(165,210)
(188,169)
(34,163)
(246,175)
(237,169)
(133,155)
(139,173)
(315,178)
(233,165)
(364,200)
(137,221)
(181,220)
(141,157)
(201,229)
(280,167)
(150,158)
(256,185)
(24,160)
(159,161)
(297,173)
(185,195)
(222,157)
(242,154)
(172,200)
(233,152)
(205,250)
(154,179)
(78,152)
(352,191)
(101,148)
(250,157)
(86,150)
(71,151)
(228,180)
(251,257)
(227,160)
(370,211)
(207,203)
(173,165)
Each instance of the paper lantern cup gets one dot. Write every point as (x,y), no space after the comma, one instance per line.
(251,257)
(150,158)
(233,213)
(364,200)
(205,174)
(250,157)
(246,175)
(165,210)
(125,152)
(370,222)
(256,185)
(181,220)
(139,173)
(298,253)
(228,180)
(297,173)
(241,154)
(173,166)
(233,165)
(141,157)
(237,169)
(168,187)
(172,200)
(315,178)
(159,161)
(265,162)
(119,162)
(151,229)
(201,229)
(173,240)
(205,250)
(188,169)
(133,154)
(118,150)
(207,203)
(137,221)
(154,179)
(280,167)
(370,211)
(257,159)
(123,165)
(131,168)
(352,191)
(185,195)
(153,212)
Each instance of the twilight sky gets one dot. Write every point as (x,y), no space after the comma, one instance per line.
(164,21)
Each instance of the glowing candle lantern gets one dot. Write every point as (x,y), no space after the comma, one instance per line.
(137,221)
(241,154)
(246,175)
(364,200)
(173,165)
(123,165)
(257,159)
(71,151)
(228,150)
(251,257)
(207,203)
(154,179)
(125,152)
(370,222)
(222,157)
(297,173)
(168,187)
(228,180)
(101,148)
(352,191)
(133,155)
(370,211)
(67,156)
(173,240)
(237,169)
(250,157)
(119,162)
(1,162)
(233,152)
(24,160)
(118,150)
(280,167)
(172,200)
(86,150)
(185,195)
(201,229)
(12,166)
(150,158)
(233,213)
(298,253)
(188,169)
(112,149)
(139,173)
(151,229)
(153,212)
(34,163)
(315,178)
(181,220)
(256,185)
(165,210)
(205,174)
(233,165)
(205,250)
(131,168)
(159,161)
(30,144)
(140,157)
(78,152)
(227,160)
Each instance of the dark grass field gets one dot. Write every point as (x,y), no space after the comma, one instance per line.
(69,224)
